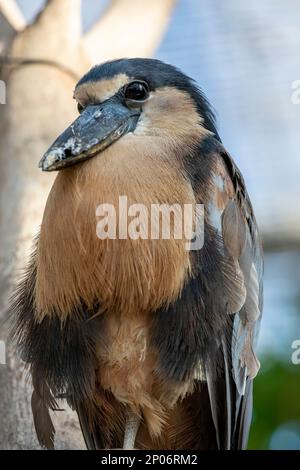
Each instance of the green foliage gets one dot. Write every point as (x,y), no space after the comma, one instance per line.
(276,400)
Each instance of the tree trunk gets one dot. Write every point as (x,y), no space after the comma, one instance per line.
(39,106)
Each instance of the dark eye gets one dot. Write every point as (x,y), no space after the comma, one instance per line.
(137,91)
(80,108)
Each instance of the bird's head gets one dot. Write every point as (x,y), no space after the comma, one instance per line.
(145,97)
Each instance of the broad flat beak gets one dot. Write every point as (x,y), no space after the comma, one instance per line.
(97,127)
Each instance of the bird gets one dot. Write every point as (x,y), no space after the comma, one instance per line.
(151,343)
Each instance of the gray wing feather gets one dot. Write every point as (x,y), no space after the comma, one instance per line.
(243,287)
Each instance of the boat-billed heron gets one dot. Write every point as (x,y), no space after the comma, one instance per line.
(152,344)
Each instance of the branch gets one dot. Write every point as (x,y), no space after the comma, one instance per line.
(129,28)
(61,18)
(10,11)
(54,35)
(11,21)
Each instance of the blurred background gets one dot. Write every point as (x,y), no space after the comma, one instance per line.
(245,57)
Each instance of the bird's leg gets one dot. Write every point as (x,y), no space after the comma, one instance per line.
(131,428)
